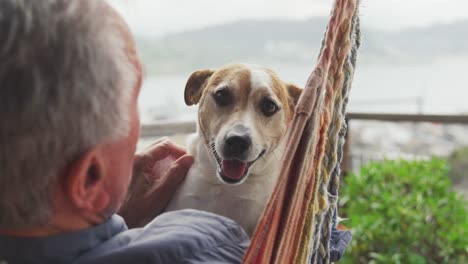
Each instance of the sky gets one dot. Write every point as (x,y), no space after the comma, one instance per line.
(155,18)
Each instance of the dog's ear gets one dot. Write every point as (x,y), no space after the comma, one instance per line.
(195,85)
(294,93)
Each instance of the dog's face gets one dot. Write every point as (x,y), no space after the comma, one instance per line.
(244,111)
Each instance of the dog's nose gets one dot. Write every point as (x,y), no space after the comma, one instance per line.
(236,146)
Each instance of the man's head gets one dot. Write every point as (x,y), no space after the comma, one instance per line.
(69,80)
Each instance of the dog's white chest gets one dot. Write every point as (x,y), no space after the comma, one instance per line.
(242,203)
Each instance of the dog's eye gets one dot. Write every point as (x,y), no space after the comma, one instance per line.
(269,107)
(222,97)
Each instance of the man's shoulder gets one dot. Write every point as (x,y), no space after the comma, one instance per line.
(186,236)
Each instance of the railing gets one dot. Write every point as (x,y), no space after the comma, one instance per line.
(187,127)
(412,118)
(446,119)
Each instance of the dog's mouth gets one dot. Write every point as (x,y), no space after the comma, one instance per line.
(233,171)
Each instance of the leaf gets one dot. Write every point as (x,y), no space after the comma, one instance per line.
(405,212)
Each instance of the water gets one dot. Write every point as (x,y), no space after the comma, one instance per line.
(435,88)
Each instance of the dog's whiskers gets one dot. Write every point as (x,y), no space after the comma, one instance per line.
(212,146)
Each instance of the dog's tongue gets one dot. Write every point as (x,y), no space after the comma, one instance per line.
(234,169)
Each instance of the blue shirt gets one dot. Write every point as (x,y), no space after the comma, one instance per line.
(186,236)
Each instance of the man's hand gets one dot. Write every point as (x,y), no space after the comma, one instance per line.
(157,172)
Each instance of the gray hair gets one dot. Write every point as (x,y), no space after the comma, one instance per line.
(66,80)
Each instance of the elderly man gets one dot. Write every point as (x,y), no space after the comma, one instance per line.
(69,83)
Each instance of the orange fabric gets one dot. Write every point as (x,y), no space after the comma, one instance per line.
(277,238)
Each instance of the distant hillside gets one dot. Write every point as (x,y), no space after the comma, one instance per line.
(293,42)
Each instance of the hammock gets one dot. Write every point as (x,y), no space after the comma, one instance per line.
(302,210)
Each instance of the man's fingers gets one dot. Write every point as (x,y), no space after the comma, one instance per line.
(158,141)
(178,171)
(185,161)
(174,176)
(163,148)
(176,151)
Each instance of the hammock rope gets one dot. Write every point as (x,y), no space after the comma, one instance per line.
(331,162)
(297,222)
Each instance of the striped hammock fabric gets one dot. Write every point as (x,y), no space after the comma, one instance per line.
(302,211)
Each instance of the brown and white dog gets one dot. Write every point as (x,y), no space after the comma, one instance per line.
(244,112)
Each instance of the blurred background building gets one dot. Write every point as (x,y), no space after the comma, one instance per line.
(414,60)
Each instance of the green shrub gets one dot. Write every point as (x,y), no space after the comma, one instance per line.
(404,212)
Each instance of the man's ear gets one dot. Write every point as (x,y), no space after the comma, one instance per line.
(195,85)
(294,94)
(84,183)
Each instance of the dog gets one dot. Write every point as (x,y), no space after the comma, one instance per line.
(243,115)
